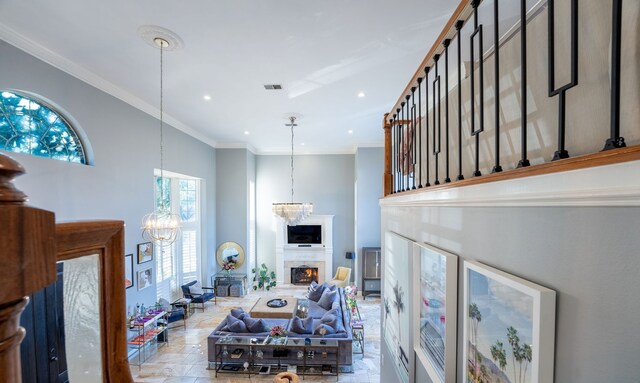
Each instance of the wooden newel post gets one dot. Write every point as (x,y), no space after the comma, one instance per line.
(387,177)
(27,263)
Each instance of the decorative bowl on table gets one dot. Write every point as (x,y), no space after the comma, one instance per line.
(277,302)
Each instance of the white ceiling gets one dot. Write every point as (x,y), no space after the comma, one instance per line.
(322,52)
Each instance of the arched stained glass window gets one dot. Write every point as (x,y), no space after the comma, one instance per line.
(29,126)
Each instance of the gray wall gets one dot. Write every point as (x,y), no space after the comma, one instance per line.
(327,181)
(369,169)
(235,168)
(126,146)
(588,255)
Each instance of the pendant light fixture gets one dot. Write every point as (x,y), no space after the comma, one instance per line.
(161,225)
(292,212)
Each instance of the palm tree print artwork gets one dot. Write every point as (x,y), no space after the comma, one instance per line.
(396,331)
(499,328)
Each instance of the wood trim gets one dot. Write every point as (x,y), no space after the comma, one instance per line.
(608,157)
(462,12)
(105,238)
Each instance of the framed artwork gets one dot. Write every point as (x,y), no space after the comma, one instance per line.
(145,278)
(128,271)
(509,327)
(230,252)
(145,252)
(396,329)
(435,305)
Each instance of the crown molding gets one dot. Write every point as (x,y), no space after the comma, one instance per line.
(59,62)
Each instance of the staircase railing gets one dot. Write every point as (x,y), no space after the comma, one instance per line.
(486,103)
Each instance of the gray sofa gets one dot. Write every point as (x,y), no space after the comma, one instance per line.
(343,333)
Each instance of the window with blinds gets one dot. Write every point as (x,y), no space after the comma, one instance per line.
(179,262)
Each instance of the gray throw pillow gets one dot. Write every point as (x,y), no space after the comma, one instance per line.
(254,324)
(327,298)
(317,293)
(329,286)
(329,330)
(229,320)
(238,313)
(238,326)
(333,318)
(301,326)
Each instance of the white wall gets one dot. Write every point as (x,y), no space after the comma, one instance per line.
(369,169)
(588,255)
(126,146)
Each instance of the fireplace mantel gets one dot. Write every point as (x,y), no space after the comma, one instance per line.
(320,256)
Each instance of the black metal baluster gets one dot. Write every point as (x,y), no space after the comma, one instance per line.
(413,136)
(459,25)
(402,145)
(553,91)
(399,148)
(446,108)
(393,150)
(523,81)
(496,49)
(615,141)
(407,148)
(436,117)
(419,133)
(476,132)
(426,121)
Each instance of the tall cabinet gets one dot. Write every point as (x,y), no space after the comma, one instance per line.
(371,274)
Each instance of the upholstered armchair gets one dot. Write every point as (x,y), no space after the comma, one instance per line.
(342,277)
(198,294)
(175,314)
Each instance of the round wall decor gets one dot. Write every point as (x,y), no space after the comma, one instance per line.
(230,251)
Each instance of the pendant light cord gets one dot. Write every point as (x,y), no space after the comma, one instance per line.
(161,135)
(292,120)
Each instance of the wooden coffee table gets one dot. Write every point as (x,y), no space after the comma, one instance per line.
(261,310)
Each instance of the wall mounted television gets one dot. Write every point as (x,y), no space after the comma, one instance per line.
(304,234)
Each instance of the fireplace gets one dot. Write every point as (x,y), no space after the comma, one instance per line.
(303,275)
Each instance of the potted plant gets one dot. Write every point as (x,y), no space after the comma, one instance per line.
(263,279)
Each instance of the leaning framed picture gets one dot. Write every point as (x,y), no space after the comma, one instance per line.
(145,278)
(128,271)
(397,295)
(145,252)
(509,327)
(435,310)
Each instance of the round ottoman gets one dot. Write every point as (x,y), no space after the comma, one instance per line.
(286,377)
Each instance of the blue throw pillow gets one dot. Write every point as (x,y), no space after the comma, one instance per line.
(238,326)
(327,298)
(317,293)
(254,324)
(238,313)
(228,321)
(328,329)
(301,326)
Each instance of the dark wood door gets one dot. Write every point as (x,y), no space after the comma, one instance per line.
(43,348)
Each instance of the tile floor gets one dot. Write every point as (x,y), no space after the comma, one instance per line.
(184,359)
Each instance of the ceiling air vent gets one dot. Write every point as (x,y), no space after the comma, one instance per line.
(272,86)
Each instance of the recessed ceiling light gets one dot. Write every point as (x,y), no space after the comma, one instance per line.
(361,94)
(246,132)
(350,131)
(206,97)
(302,144)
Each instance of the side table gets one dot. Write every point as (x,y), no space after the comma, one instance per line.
(185,303)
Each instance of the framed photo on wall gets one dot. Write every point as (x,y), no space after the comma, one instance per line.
(145,278)
(145,252)
(508,327)
(396,328)
(435,308)
(128,271)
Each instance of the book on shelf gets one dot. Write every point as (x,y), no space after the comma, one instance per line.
(292,368)
(326,369)
(237,353)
